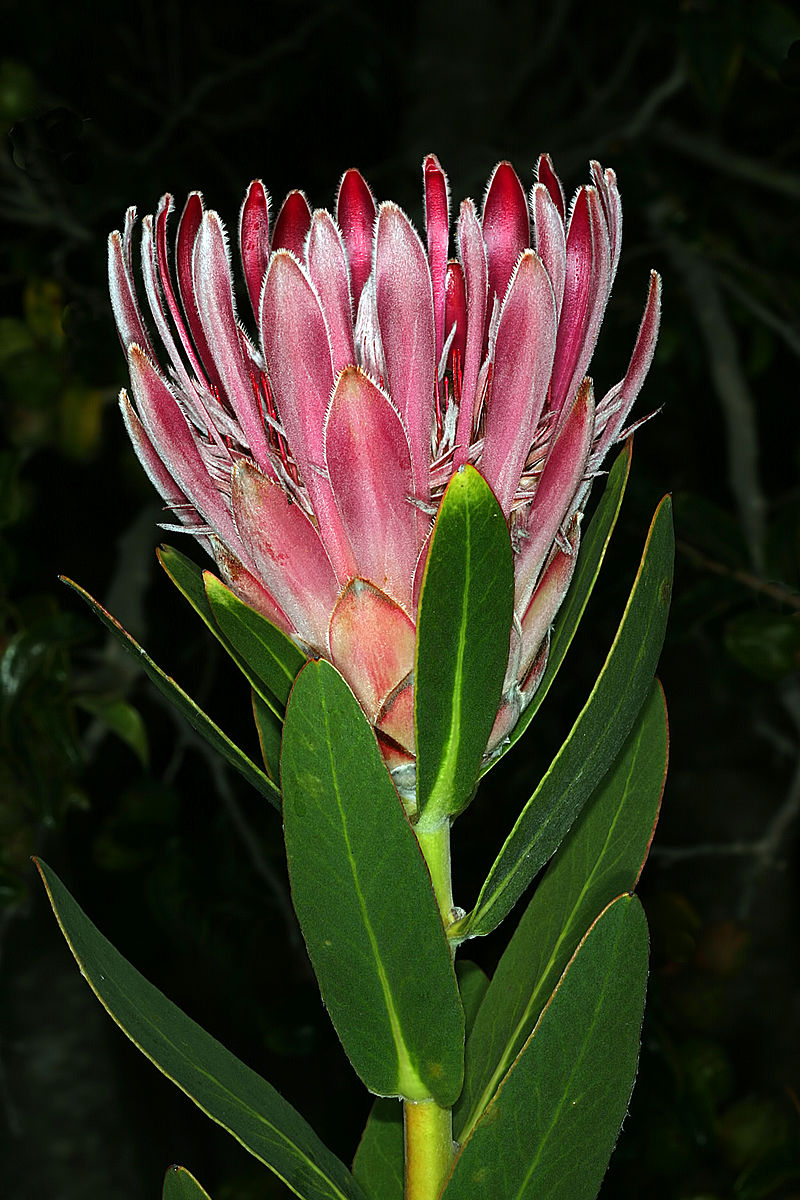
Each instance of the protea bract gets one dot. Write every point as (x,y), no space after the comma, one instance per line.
(309,460)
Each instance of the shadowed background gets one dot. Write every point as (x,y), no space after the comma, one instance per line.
(696,106)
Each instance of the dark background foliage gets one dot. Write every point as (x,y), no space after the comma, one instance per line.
(696,105)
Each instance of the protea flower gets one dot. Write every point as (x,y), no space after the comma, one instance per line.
(309,460)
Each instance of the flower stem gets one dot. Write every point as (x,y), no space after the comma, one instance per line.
(429,1148)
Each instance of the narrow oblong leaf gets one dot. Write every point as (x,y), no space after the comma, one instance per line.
(364,899)
(185,705)
(180,1184)
(188,579)
(271,659)
(269,728)
(552,1125)
(379,1162)
(594,740)
(262,652)
(601,857)
(463,631)
(594,543)
(227,1090)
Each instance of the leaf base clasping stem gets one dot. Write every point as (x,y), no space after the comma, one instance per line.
(428,1129)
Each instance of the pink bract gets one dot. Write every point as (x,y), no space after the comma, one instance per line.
(309,455)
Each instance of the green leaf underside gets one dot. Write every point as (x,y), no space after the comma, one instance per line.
(379,1164)
(594,740)
(179,1184)
(601,857)
(184,703)
(550,1129)
(463,632)
(271,661)
(225,1089)
(364,899)
(594,544)
(269,667)
(269,729)
(472,983)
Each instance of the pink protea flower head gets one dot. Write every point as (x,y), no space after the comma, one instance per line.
(309,459)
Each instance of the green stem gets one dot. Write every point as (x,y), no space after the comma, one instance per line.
(435,845)
(429,1148)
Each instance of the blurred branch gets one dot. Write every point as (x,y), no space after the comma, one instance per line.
(258,859)
(720,158)
(626,60)
(733,393)
(8,1106)
(774,590)
(647,109)
(599,86)
(644,113)
(558,17)
(187,739)
(763,853)
(769,847)
(23,204)
(788,333)
(669,855)
(287,48)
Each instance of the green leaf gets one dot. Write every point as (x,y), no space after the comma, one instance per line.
(765,643)
(594,544)
(188,579)
(222,1086)
(121,718)
(551,1127)
(185,705)
(269,729)
(601,857)
(472,982)
(463,632)
(265,656)
(379,1164)
(594,740)
(15,339)
(271,660)
(364,899)
(179,1184)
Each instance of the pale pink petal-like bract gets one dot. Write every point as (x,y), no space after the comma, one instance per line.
(310,460)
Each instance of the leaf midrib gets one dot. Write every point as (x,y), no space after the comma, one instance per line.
(243,1107)
(482,909)
(405,1067)
(560,1108)
(443,784)
(491,1087)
